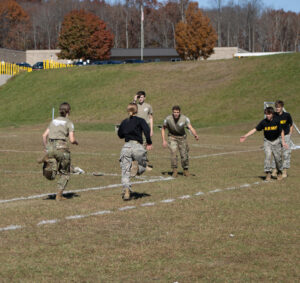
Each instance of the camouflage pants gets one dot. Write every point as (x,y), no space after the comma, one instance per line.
(132,151)
(286,153)
(179,143)
(62,165)
(272,148)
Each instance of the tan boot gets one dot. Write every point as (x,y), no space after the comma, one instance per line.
(274,173)
(175,173)
(43,159)
(279,176)
(268,177)
(59,196)
(186,173)
(126,195)
(284,173)
(134,168)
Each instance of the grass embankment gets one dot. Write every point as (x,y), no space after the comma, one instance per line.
(211,93)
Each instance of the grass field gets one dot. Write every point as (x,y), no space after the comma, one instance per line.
(222,224)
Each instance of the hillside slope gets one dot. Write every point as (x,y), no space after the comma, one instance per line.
(211,93)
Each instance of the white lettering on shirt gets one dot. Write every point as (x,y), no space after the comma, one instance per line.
(59,122)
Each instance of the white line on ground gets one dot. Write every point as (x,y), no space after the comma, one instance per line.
(223,153)
(124,208)
(85,190)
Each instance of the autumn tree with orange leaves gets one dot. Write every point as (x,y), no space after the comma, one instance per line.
(84,36)
(14,24)
(195,36)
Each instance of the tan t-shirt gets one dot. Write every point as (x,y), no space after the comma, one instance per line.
(176,129)
(144,111)
(60,128)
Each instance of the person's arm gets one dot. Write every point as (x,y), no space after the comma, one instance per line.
(283,140)
(135,98)
(243,138)
(193,131)
(163,130)
(45,136)
(72,138)
(151,124)
(291,129)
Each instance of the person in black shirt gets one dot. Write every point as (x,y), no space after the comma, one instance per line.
(272,131)
(133,159)
(286,123)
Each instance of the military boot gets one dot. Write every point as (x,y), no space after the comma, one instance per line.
(126,195)
(60,196)
(268,176)
(175,173)
(274,173)
(186,172)
(134,168)
(284,173)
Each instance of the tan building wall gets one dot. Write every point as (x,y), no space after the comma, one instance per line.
(224,53)
(33,56)
(12,56)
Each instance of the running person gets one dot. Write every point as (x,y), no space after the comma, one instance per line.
(133,159)
(272,145)
(176,124)
(58,156)
(286,122)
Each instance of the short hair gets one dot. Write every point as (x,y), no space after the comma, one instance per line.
(269,110)
(279,103)
(132,109)
(64,109)
(141,92)
(176,107)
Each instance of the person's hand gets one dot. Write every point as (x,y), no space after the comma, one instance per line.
(242,139)
(165,144)
(196,137)
(149,146)
(75,142)
(285,145)
(135,98)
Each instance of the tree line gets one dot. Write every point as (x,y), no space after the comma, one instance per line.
(248,24)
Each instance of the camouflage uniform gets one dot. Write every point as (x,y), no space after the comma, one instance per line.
(177,140)
(132,150)
(272,147)
(59,156)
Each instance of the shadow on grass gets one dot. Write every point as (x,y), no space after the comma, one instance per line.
(136,195)
(68,196)
(170,173)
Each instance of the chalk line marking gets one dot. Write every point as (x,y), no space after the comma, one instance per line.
(223,153)
(125,208)
(86,190)
(11,227)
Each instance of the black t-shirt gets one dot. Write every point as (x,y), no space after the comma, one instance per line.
(272,129)
(286,121)
(132,129)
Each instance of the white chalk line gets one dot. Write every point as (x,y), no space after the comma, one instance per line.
(125,208)
(87,189)
(224,153)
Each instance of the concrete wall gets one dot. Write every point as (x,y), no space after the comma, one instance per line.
(12,56)
(224,53)
(4,79)
(33,56)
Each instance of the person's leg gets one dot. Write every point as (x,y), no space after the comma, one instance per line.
(286,156)
(173,145)
(184,155)
(140,156)
(64,162)
(125,164)
(276,151)
(268,156)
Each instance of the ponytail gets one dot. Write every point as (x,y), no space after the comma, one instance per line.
(64,109)
(132,109)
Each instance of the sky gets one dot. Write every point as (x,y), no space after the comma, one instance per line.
(287,5)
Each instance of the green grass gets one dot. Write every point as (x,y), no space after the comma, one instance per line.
(211,93)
